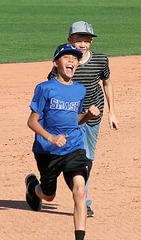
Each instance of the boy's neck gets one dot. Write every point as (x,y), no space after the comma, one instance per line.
(85,58)
(64,81)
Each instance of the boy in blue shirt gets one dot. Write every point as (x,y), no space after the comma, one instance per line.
(58,146)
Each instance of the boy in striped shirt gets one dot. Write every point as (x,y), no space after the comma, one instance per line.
(92,68)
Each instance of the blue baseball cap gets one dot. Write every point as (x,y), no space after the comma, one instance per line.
(65,48)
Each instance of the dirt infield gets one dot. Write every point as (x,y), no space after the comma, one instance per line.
(115,183)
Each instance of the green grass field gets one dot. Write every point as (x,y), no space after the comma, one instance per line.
(32,29)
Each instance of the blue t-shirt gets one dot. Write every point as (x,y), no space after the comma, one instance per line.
(58,106)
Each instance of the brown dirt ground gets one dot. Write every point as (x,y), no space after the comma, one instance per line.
(115,183)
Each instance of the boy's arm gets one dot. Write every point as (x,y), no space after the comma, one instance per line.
(108,89)
(59,140)
(92,112)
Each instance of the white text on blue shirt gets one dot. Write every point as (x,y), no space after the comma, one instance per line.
(57,104)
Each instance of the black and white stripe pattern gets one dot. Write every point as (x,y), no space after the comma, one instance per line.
(89,74)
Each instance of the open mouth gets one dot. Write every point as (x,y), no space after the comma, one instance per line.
(70,67)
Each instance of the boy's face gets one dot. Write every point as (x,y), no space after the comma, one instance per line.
(66,65)
(82,42)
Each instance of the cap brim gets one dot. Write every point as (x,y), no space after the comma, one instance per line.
(83,33)
(77,53)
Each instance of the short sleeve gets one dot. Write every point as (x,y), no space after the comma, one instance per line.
(39,99)
(106,71)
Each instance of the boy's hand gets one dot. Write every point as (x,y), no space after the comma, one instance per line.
(113,122)
(59,140)
(93,111)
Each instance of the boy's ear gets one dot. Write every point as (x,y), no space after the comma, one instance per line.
(69,40)
(55,63)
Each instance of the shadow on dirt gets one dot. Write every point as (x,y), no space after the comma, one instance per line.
(22,205)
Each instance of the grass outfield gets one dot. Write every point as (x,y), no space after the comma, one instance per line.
(32,29)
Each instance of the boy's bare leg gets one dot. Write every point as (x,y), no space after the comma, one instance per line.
(79,196)
(41,195)
(80,207)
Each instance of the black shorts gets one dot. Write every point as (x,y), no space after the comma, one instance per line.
(50,166)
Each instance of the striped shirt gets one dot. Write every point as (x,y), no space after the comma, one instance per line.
(89,74)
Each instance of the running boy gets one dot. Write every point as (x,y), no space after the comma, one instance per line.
(92,68)
(58,146)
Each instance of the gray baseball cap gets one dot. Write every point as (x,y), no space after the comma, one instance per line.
(81,27)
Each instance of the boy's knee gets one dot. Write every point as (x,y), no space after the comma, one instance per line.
(49,198)
(79,192)
(43,195)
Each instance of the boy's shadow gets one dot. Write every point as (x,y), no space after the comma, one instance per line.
(22,205)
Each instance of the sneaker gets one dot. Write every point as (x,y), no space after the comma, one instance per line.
(90,213)
(32,199)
